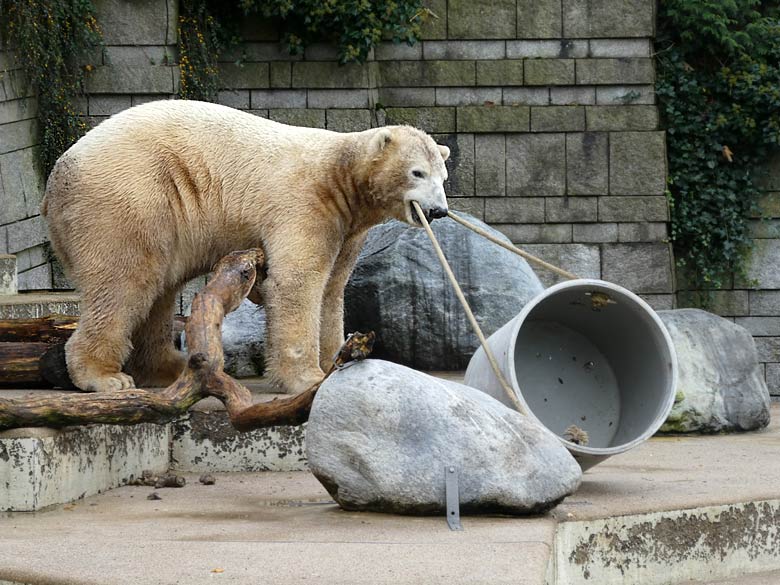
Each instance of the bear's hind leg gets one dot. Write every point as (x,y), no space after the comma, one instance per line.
(101,344)
(154,361)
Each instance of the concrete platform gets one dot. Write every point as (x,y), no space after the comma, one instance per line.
(673,510)
(203,440)
(43,467)
(206,441)
(40,467)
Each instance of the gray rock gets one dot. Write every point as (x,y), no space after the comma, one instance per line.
(380,435)
(720,385)
(243,341)
(399,290)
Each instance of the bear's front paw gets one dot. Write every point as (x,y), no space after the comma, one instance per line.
(110,383)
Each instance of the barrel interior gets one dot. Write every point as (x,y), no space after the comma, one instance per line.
(592,358)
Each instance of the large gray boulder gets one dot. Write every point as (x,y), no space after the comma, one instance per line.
(720,385)
(398,290)
(380,436)
(243,341)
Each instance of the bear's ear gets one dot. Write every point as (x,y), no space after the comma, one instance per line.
(445,151)
(381,139)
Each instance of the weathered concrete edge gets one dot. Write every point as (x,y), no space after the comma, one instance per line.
(54,468)
(207,441)
(712,542)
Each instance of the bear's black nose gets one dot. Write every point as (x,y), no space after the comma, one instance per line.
(438,212)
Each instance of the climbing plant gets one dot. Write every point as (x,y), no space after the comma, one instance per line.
(207,27)
(719,92)
(354,26)
(52,40)
(201,40)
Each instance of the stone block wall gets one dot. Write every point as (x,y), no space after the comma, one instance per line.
(137,65)
(548,109)
(22,231)
(139,61)
(547,106)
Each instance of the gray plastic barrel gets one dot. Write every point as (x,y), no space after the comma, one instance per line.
(586,353)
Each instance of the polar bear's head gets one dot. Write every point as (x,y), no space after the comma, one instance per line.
(407,166)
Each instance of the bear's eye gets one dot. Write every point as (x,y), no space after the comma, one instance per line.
(418,174)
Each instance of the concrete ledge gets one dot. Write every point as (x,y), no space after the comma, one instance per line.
(34,305)
(206,441)
(40,467)
(43,467)
(670,546)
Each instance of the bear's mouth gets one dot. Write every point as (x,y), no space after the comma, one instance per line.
(413,215)
(416,219)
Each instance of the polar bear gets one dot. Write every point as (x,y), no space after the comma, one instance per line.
(155,195)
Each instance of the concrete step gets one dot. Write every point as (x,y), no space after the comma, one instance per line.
(41,467)
(44,467)
(38,466)
(285,528)
(674,509)
(31,305)
(204,440)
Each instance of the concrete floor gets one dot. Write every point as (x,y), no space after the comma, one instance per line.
(284,528)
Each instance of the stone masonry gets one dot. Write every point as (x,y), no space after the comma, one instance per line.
(22,231)
(547,105)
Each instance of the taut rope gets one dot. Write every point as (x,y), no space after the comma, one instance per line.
(511,248)
(510,393)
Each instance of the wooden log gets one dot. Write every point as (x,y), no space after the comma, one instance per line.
(54,369)
(51,329)
(45,337)
(23,342)
(20,363)
(233,279)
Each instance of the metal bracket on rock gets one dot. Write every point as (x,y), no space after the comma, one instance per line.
(453,497)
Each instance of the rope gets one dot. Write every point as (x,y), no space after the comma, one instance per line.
(511,248)
(508,390)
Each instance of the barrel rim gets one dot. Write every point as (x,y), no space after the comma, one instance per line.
(641,303)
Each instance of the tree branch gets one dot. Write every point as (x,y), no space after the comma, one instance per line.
(234,277)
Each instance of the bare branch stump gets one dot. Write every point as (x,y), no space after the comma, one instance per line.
(234,278)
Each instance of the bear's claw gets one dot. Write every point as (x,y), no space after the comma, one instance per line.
(112,383)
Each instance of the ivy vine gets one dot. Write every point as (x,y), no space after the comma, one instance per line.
(201,40)
(354,26)
(207,27)
(719,93)
(51,39)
